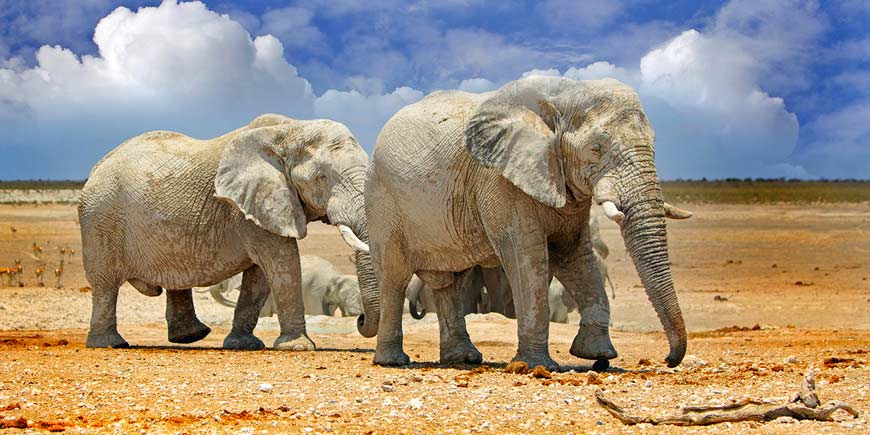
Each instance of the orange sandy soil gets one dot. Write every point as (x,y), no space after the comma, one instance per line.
(49,381)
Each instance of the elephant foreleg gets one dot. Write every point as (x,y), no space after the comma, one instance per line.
(252,297)
(523,254)
(577,269)
(456,346)
(183,325)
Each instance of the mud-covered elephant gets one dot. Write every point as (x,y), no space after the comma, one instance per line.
(508,178)
(167,211)
(324,290)
(483,290)
(487,290)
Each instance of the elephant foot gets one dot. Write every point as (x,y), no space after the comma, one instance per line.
(460,351)
(294,342)
(110,339)
(536,359)
(392,357)
(240,341)
(593,343)
(189,332)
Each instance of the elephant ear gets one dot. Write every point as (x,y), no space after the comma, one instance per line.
(251,175)
(516,131)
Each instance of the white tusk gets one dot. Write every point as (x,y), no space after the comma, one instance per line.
(672,212)
(352,240)
(612,212)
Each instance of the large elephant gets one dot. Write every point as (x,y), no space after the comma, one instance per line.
(508,178)
(324,290)
(164,210)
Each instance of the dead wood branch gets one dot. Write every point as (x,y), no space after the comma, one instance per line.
(803,407)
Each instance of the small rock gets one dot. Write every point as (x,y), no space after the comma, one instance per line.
(265,387)
(592,378)
(246,431)
(415,403)
(791,359)
(785,420)
(388,388)
(648,385)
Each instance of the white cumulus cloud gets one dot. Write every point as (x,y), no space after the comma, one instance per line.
(177,66)
(364,114)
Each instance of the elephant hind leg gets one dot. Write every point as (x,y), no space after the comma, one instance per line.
(104,318)
(252,296)
(456,346)
(393,276)
(183,325)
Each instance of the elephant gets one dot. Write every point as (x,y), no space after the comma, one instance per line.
(167,211)
(491,292)
(324,290)
(508,178)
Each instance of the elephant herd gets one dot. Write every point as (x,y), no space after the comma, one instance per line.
(459,185)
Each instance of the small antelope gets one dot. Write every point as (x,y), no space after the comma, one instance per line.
(10,273)
(13,273)
(37,251)
(58,274)
(40,271)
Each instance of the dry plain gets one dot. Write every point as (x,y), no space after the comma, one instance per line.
(799,272)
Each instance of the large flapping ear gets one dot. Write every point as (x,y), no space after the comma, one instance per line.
(517,130)
(251,175)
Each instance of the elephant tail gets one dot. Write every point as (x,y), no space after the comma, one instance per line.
(412,307)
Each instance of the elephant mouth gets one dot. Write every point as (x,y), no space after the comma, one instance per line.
(325,219)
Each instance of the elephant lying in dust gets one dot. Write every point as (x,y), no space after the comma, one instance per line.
(167,211)
(487,289)
(324,290)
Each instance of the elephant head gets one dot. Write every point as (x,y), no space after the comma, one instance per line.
(565,141)
(283,173)
(343,294)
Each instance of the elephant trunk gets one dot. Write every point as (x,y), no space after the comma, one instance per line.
(349,210)
(641,215)
(415,288)
(645,235)
(367,322)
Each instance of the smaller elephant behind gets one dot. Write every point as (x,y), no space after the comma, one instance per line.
(486,290)
(324,290)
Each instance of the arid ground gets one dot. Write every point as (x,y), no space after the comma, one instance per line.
(801,273)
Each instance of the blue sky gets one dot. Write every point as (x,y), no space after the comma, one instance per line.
(733,89)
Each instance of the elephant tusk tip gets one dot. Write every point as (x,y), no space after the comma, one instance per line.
(352,240)
(612,212)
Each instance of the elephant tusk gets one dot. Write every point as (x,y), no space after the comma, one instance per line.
(352,240)
(672,212)
(612,212)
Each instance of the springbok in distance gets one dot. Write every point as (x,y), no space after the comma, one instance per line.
(10,272)
(40,272)
(13,273)
(58,274)
(37,251)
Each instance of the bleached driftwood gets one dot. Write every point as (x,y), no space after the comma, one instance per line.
(805,406)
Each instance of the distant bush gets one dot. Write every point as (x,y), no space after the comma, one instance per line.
(41,184)
(766,190)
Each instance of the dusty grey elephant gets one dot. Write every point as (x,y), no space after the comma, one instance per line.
(164,210)
(443,171)
(324,290)
(487,290)
(483,290)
